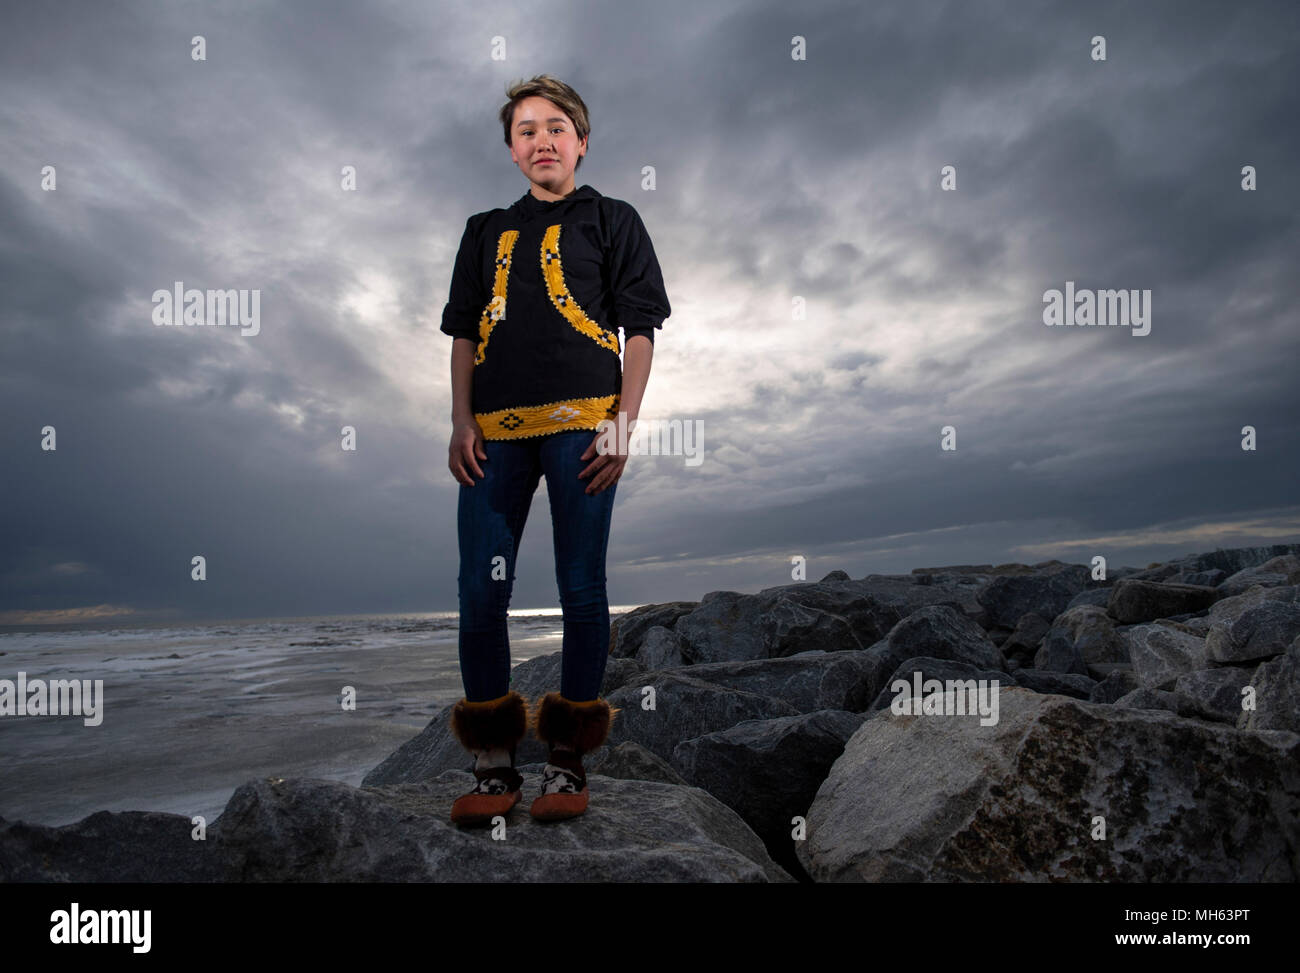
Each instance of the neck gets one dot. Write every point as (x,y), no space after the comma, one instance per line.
(547,196)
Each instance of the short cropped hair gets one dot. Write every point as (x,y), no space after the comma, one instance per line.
(554,90)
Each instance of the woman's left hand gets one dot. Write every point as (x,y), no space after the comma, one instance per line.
(605,469)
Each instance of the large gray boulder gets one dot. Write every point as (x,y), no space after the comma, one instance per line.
(1093,596)
(633,831)
(629,630)
(1163,651)
(1045,592)
(931,798)
(768,771)
(110,847)
(1216,693)
(822,681)
(1117,682)
(1134,601)
(1162,699)
(1237,559)
(903,684)
(939,632)
(1080,637)
(683,708)
(1283,570)
(905,593)
(630,761)
(1261,631)
(1060,683)
(540,675)
(304,830)
(1024,641)
(729,626)
(1225,611)
(1277,694)
(662,648)
(1183,570)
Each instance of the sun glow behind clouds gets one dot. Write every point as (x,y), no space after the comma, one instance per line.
(373,323)
(373,296)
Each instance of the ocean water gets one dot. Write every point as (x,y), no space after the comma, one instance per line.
(191,712)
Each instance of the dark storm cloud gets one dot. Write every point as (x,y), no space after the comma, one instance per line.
(776,179)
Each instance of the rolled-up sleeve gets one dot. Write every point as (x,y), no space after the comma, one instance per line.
(466,298)
(639,299)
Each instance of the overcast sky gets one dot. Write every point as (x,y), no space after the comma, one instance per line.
(776,179)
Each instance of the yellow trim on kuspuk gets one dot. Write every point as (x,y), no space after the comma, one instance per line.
(553,274)
(538,420)
(496,308)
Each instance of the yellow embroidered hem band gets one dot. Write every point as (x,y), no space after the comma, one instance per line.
(539,420)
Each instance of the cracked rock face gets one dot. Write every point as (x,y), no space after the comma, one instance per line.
(1134,601)
(634,831)
(934,798)
(1163,651)
(1277,706)
(305,830)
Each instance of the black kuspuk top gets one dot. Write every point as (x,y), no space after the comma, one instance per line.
(542,289)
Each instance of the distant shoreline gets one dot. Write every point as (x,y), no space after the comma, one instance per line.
(143,622)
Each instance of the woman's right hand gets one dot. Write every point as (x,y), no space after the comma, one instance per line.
(465,450)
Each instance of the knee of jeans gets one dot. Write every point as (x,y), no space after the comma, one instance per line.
(484,589)
(589,593)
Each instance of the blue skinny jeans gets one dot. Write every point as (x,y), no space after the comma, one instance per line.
(490,524)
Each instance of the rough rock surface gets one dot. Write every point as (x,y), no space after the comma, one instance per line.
(921,798)
(303,830)
(768,771)
(1165,700)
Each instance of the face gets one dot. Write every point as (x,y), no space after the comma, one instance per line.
(541,131)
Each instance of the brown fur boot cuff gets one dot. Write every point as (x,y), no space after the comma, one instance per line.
(495,724)
(582,726)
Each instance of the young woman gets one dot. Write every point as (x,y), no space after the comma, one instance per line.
(538,293)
